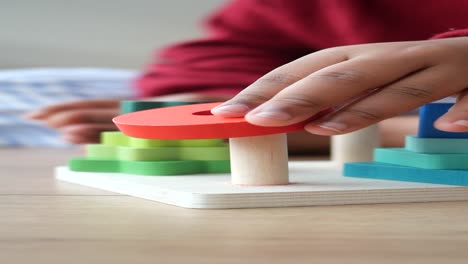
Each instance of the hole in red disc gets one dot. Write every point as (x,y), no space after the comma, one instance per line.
(206,112)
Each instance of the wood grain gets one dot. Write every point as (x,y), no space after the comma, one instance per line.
(43,221)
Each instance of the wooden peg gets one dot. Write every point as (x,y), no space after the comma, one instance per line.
(258,154)
(259,160)
(356,146)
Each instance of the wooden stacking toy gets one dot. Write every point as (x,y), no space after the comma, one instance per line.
(258,157)
(258,154)
(433,156)
(118,153)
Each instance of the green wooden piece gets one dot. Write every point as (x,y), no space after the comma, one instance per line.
(134,106)
(116,138)
(436,145)
(119,153)
(403,157)
(150,168)
(100,151)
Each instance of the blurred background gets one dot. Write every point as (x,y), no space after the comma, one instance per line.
(55,51)
(94,33)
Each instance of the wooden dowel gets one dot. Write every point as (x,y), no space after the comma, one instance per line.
(260,160)
(356,146)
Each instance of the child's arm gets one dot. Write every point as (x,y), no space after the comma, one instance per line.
(375,82)
(244,42)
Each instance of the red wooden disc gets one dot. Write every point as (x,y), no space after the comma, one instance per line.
(191,122)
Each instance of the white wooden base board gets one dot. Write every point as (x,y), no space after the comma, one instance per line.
(312,183)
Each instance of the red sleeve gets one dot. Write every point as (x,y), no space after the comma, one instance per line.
(247,39)
(453,34)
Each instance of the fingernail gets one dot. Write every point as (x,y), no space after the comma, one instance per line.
(461,122)
(281,116)
(333,126)
(230,109)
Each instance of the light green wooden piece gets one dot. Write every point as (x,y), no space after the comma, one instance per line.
(100,151)
(115,138)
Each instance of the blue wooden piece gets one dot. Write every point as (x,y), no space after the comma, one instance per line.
(374,170)
(428,114)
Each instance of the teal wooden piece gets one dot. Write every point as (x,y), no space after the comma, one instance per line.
(436,145)
(403,157)
(150,168)
(134,106)
(100,151)
(374,170)
(116,138)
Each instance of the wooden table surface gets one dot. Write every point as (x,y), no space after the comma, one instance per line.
(46,221)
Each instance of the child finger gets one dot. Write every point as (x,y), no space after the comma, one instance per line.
(456,119)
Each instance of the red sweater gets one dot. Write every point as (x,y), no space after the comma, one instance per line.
(248,38)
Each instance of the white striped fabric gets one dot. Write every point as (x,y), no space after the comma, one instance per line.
(22,91)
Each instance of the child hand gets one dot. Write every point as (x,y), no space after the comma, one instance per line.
(80,121)
(83,121)
(362,84)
